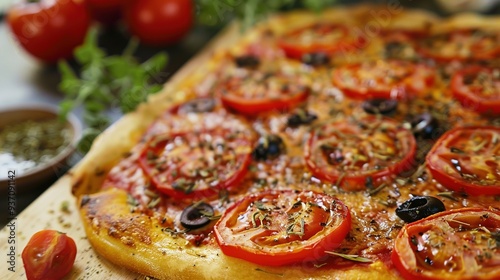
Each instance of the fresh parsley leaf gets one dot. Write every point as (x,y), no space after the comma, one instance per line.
(106,82)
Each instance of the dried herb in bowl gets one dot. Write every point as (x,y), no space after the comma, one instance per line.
(28,144)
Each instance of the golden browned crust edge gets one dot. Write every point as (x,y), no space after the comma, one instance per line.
(137,243)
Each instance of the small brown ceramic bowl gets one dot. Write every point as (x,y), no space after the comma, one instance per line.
(30,178)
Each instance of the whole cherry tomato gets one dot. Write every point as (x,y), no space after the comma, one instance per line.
(49,254)
(106,12)
(159,22)
(49,30)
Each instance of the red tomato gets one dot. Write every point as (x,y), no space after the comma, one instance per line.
(197,163)
(282,227)
(465,159)
(478,88)
(49,255)
(49,30)
(346,152)
(455,244)
(266,88)
(159,22)
(325,38)
(125,175)
(392,79)
(106,12)
(465,44)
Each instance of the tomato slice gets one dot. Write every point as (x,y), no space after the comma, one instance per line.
(455,244)
(282,227)
(478,88)
(125,175)
(197,163)
(346,152)
(467,159)
(394,79)
(49,254)
(460,45)
(269,87)
(325,38)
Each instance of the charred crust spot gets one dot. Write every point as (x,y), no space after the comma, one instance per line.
(85,199)
(76,185)
(113,232)
(127,240)
(99,172)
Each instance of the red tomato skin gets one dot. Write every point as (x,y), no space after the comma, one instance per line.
(199,194)
(398,255)
(159,22)
(329,242)
(469,99)
(49,30)
(357,182)
(106,12)
(296,51)
(251,107)
(49,255)
(401,91)
(451,182)
(167,189)
(477,54)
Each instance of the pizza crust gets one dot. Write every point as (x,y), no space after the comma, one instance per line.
(136,242)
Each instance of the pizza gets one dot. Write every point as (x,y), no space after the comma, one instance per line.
(359,143)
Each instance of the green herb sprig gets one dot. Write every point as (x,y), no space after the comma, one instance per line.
(106,82)
(354,258)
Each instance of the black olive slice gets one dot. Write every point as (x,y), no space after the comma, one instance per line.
(419,207)
(196,215)
(248,61)
(315,59)
(380,106)
(200,105)
(425,126)
(301,117)
(269,147)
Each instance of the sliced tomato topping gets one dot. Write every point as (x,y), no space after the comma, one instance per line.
(346,152)
(455,244)
(399,44)
(269,87)
(467,159)
(478,88)
(327,38)
(384,79)
(126,175)
(282,227)
(197,163)
(460,45)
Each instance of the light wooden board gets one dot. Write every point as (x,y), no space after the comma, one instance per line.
(46,211)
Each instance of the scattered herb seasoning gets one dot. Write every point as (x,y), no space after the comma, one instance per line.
(355,258)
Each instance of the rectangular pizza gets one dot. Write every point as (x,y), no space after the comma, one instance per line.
(361,142)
